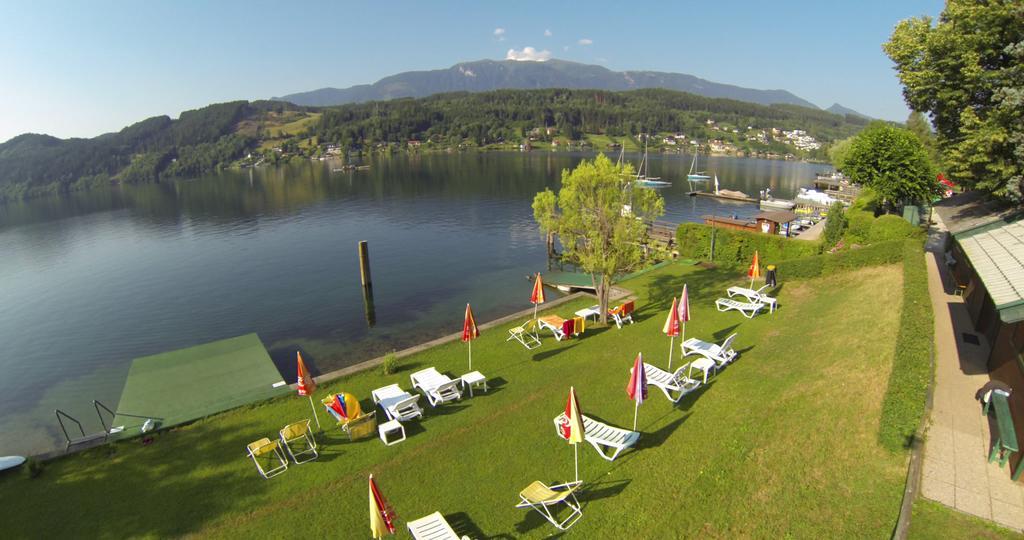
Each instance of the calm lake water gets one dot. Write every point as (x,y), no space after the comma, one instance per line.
(92,280)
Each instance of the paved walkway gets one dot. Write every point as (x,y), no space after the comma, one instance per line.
(956,470)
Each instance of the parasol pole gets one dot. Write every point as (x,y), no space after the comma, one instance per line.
(636,410)
(671,344)
(310,396)
(470,343)
(576,459)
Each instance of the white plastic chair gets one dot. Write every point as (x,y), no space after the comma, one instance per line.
(437,387)
(397,403)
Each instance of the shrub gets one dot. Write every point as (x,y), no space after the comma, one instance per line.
(390,363)
(835,224)
(904,401)
(890,227)
(859,226)
(736,248)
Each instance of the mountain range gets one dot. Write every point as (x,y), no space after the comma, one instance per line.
(843,111)
(485,75)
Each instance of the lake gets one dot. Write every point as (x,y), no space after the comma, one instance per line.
(92,280)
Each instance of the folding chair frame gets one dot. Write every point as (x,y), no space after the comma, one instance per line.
(544,507)
(307,437)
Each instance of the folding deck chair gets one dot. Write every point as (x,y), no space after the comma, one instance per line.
(266,448)
(433,527)
(397,403)
(670,383)
(721,354)
(438,388)
(748,309)
(542,498)
(526,334)
(296,433)
(609,441)
(622,313)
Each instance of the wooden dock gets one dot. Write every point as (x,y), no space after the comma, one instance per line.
(726,197)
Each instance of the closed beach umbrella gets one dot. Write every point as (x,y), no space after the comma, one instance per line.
(537,296)
(684,316)
(671,329)
(754,271)
(469,333)
(306,385)
(637,387)
(382,518)
(572,430)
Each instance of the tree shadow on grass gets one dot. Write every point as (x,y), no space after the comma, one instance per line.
(464,526)
(723,333)
(544,355)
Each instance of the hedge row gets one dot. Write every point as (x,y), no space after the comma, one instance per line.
(736,248)
(904,402)
(890,252)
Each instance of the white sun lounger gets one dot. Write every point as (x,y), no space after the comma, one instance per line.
(753,296)
(609,441)
(397,403)
(748,309)
(438,388)
(720,354)
(670,383)
(433,527)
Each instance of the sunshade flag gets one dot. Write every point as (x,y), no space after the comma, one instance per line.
(671,329)
(755,270)
(537,296)
(306,385)
(382,518)
(572,430)
(637,387)
(469,333)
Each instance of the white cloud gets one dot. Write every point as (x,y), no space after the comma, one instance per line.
(499,34)
(528,54)
(565,48)
(547,33)
(586,41)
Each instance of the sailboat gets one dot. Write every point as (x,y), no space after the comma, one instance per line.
(642,179)
(698,176)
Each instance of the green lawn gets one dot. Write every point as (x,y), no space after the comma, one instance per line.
(782,443)
(931,520)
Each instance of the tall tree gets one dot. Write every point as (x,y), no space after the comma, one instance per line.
(601,219)
(919,126)
(893,162)
(967,73)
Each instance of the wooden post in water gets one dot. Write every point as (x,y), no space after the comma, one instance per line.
(364,263)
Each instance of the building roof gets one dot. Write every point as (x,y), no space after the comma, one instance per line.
(972,212)
(778,217)
(997,255)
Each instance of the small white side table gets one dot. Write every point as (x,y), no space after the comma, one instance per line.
(771,303)
(471,379)
(391,427)
(592,311)
(703,364)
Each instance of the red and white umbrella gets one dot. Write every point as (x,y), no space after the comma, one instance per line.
(382,517)
(754,271)
(469,333)
(306,385)
(671,329)
(537,296)
(637,387)
(684,316)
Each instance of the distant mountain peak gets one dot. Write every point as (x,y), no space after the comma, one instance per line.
(486,75)
(843,111)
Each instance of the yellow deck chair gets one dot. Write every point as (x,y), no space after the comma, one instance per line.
(268,450)
(362,427)
(541,498)
(298,433)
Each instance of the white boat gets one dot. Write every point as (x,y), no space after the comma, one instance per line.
(642,179)
(698,176)
(10,462)
(777,204)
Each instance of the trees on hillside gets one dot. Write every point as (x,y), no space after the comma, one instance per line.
(601,220)
(893,162)
(967,73)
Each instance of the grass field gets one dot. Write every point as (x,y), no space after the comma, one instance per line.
(784,442)
(934,521)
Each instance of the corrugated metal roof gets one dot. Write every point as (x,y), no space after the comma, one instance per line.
(998,257)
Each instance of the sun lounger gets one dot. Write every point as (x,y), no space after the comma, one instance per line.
(433,527)
(754,296)
(609,441)
(560,328)
(438,388)
(670,383)
(299,433)
(271,450)
(525,334)
(397,403)
(748,309)
(721,354)
(542,498)
(622,314)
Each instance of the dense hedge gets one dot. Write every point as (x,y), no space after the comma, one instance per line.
(810,267)
(736,248)
(903,405)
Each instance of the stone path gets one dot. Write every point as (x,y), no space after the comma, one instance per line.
(956,471)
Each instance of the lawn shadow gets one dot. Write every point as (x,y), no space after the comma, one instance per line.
(544,355)
(601,490)
(533,520)
(651,439)
(723,333)
(464,526)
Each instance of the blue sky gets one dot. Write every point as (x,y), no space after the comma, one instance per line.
(84,68)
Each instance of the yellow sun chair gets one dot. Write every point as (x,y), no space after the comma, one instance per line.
(270,450)
(362,427)
(541,498)
(299,433)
